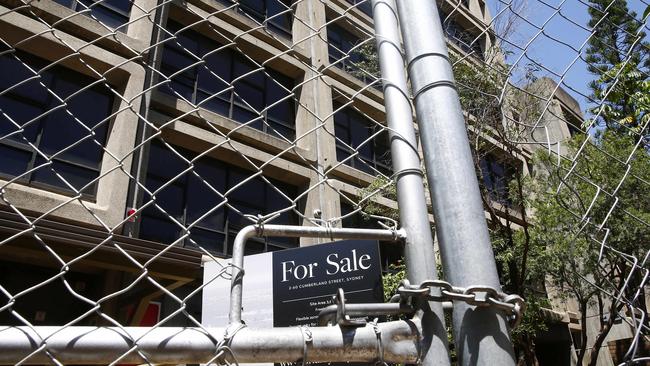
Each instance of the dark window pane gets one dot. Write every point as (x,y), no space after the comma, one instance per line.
(14,71)
(165,163)
(77,176)
(280,15)
(250,193)
(355,130)
(254,247)
(106,12)
(342,154)
(13,161)
(213,76)
(360,133)
(181,88)
(74,156)
(119,5)
(66,3)
(21,113)
(280,130)
(208,240)
(33,92)
(158,229)
(193,197)
(279,91)
(244,115)
(253,95)
(201,200)
(170,200)
(216,103)
(496,177)
(61,131)
(236,218)
(177,59)
(92,106)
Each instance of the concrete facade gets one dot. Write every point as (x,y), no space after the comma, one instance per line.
(96,233)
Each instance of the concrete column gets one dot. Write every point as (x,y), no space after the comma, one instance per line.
(314,117)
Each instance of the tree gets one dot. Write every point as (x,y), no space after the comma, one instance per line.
(570,223)
(618,58)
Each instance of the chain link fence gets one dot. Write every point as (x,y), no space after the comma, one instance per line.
(137,138)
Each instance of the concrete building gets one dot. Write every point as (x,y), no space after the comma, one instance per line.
(137,137)
(159,109)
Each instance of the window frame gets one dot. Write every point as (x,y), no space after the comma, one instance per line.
(229,229)
(263,17)
(205,47)
(369,163)
(78,6)
(364,6)
(496,181)
(50,79)
(455,33)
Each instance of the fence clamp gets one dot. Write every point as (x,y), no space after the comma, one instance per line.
(342,318)
(480,296)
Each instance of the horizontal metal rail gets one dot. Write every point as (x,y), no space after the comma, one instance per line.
(104,345)
(253,231)
(328,314)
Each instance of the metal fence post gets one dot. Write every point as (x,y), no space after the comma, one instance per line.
(418,251)
(481,334)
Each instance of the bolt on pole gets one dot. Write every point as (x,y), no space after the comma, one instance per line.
(481,334)
(418,249)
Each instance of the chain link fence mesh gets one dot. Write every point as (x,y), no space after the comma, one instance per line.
(138,137)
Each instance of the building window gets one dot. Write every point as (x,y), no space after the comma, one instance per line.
(496,177)
(191,199)
(460,37)
(275,14)
(465,3)
(363,5)
(202,71)
(60,115)
(113,13)
(347,53)
(391,252)
(356,133)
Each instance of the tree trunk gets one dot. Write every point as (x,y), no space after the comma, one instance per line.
(583,335)
(527,355)
(604,331)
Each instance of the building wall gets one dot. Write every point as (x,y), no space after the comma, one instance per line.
(129,59)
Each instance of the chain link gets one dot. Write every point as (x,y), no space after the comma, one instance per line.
(479,296)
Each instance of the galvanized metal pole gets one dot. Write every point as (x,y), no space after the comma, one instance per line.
(418,249)
(481,334)
(179,345)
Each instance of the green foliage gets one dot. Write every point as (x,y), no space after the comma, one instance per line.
(479,89)
(602,195)
(380,187)
(585,197)
(391,279)
(626,105)
(618,56)
(366,66)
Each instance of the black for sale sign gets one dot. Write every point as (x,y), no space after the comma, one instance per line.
(305,279)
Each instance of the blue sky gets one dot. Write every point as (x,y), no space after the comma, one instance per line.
(563,38)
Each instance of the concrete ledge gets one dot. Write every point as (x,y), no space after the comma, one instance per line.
(81,25)
(178,108)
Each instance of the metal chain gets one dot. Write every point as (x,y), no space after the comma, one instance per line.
(480,296)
